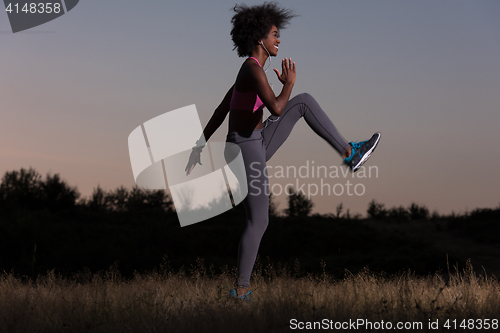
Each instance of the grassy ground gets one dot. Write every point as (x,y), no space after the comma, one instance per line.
(197,301)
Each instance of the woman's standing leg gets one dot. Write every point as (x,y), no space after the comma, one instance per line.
(277,130)
(256,202)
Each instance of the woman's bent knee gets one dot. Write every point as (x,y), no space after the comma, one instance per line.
(304,97)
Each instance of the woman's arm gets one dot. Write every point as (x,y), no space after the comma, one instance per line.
(275,104)
(219,115)
(213,124)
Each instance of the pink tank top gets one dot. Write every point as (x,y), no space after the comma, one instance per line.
(246,100)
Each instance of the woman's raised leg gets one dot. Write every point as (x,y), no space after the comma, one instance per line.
(276,130)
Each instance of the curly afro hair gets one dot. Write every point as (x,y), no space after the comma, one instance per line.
(251,24)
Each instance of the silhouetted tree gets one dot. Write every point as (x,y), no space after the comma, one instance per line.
(339,209)
(435,215)
(141,199)
(57,194)
(398,214)
(118,199)
(123,200)
(298,204)
(273,206)
(376,210)
(418,212)
(21,190)
(25,190)
(99,200)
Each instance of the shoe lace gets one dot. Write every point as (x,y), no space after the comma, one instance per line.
(356,144)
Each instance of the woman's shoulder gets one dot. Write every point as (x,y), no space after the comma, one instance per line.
(247,74)
(250,68)
(249,64)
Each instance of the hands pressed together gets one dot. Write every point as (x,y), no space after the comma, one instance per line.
(288,72)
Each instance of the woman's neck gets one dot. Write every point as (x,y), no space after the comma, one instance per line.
(260,55)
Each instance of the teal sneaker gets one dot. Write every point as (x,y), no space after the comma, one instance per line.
(246,297)
(361,151)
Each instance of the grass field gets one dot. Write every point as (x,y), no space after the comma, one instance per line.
(197,301)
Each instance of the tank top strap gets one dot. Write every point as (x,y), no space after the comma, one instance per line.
(255,60)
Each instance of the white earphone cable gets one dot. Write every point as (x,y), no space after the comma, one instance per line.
(269,56)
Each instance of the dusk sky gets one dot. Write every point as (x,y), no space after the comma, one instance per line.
(425,73)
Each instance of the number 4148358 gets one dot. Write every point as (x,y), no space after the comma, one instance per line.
(33,8)
(472,324)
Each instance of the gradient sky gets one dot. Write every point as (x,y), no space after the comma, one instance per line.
(424,73)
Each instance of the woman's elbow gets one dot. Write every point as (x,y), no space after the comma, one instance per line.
(276,110)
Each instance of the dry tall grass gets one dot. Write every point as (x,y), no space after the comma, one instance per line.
(197,301)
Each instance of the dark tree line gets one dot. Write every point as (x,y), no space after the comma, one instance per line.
(45,224)
(377,211)
(26,190)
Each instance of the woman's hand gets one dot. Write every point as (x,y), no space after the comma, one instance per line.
(288,72)
(194,158)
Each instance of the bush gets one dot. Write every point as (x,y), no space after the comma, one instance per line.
(399,214)
(298,204)
(418,212)
(376,210)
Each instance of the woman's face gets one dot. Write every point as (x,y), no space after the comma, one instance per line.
(271,42)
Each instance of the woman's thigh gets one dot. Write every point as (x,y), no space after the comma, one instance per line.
(253,151)
(277,129)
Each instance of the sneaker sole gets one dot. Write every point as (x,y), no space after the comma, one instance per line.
(367,155)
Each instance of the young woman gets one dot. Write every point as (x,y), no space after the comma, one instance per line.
(255,35)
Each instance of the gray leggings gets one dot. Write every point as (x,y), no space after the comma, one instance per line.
(257,147)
